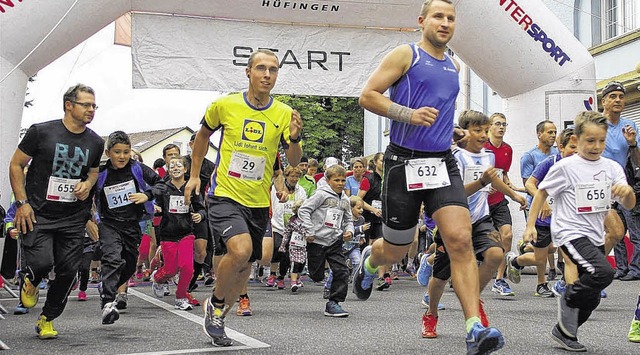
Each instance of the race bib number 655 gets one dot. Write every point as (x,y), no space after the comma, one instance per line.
(61,189)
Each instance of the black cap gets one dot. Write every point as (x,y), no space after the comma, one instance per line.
(304,160)
(612,86)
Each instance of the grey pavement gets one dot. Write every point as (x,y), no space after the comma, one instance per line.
(285,323)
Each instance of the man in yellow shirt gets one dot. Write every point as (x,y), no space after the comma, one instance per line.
(253,125)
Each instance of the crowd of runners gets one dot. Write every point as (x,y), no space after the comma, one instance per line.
(433,205)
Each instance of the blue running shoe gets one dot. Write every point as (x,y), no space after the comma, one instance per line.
(481,340)
(214,324)
(603,294)
(559,288)
(363,280)
(424,271)
(425,302)
(502,288)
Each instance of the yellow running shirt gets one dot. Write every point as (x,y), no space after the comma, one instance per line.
(248,147)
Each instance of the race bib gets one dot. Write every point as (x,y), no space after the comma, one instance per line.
(176,205)
(473,173)
(247,167)
(298,240)
(426,173)
(376,204)
(118,195)
(550,201)
(61,189)
(288,212)
(593,197)
(333,218)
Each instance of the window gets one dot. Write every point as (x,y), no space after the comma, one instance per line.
(619,17)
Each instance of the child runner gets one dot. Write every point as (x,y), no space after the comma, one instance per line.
(351,247)
(326,218)
(176,234)
(541,246)
(477,170)
(294,237)
(123,198)
(582,186)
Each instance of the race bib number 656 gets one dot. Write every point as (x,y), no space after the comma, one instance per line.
(593,197)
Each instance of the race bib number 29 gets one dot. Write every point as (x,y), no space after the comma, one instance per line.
(245,166)
(426,173)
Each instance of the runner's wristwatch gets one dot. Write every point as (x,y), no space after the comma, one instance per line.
(20,203)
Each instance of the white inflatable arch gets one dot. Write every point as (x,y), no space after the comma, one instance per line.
(518,47)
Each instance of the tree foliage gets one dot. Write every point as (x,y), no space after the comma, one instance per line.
(333,126)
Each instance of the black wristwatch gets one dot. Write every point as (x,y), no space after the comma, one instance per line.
(20,203)
(296,140)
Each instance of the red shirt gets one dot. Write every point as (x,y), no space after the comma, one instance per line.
(504,155)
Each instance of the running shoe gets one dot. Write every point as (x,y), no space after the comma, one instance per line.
(271,281)
(43,284)
(634,332)
(502,288)
(280,284)
(484,320)
(156,287)
(82,296)
(110,313)
(121,301)
(192,300)
(28,293)
(20,309)
(363,280)
(131,283)
(543,291)
(429,323)
(182,304)
(139,272)
(244,307)
(425,302)
(382,284)
(481,340)
(388,281)
(44,328)
(325,293)
(424,271)
(552,275)
(165,290)
(513,273)
(566,342)
(567,318)
(603,294)
(214,324)
(300,284)
(559,288)
(333,309)
(294,287)
(209,279)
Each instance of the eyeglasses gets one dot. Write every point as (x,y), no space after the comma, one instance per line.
(86,104)
(498,124)
(263,69)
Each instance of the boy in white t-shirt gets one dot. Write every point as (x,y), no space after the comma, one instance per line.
(583,187)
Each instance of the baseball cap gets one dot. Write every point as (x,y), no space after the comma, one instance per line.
(612,86)
(329,162)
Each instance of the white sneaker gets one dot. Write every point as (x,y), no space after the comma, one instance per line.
(110,313)
(158,290)
(182,304)
(165,290)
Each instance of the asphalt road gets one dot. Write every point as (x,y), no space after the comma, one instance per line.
(285,323)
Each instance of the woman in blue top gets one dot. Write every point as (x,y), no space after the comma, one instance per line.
(353,181)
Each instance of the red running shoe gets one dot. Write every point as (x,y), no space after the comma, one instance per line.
(429,323)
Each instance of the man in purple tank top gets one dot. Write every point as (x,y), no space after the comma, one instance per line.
(419,167)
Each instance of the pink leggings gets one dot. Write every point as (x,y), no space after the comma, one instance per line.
(178,258)
(143,249)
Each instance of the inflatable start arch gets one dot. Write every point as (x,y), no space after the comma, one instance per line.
(329,47)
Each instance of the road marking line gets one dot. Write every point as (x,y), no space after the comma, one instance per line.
(249,343)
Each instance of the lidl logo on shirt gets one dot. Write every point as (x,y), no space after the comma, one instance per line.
(253,131)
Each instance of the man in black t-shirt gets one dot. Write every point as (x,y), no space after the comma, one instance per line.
(64,156)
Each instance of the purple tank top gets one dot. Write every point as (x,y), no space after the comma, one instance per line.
(428,82)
